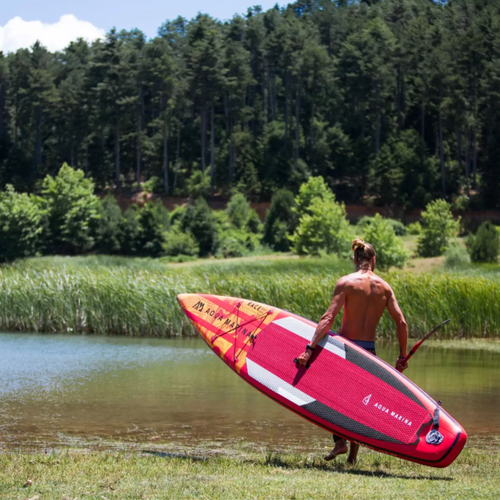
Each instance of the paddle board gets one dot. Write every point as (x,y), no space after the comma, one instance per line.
(346,390)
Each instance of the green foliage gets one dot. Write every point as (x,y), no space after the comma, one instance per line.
(179,243)
(390,249)
(439,227)
(281,221)
(154,220)
(198,185)
(456,257)
(22,225)
(131,231)
(253,223)
(314,188)
(73,211)
(484,246)
(237,243)
(415,228)
(199,220)
(110,226)
(238,209)
(323,227)
(398,227)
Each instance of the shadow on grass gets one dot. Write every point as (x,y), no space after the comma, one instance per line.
(163,454)
(341,468)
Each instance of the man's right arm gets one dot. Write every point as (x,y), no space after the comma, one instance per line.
(401,328)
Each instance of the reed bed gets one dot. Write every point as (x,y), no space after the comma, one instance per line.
(124,299)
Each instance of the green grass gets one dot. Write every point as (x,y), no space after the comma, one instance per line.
(264,475)
(111,295)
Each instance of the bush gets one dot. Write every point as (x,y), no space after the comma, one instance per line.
(438,227)
(390,249)
(237,243)
(73,211)
(281,221)
(484,246)
(199,220)
(456,257)
(238,210)
(179,243)
(154,219)
(22,225)
(399,227)
(110,226)
(322,228)
(131,231)
(415,228)
(315,188)
(253,223)
(198,185)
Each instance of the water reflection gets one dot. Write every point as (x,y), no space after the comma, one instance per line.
(54,387)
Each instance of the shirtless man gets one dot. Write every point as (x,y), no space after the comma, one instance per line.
(364,296)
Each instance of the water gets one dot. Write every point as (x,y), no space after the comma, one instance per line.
(58,389)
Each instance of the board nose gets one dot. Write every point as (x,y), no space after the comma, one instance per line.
(184,299)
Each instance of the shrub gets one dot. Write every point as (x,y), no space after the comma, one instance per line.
(73,211)
(281,221)
(390,249)
(314,188)
(399,227)
(238,210)
(415,228)
(110,226)
(253,223)
(22,225)
(456,257)
(484,246)
(198,185)
(131,231)
(179,243)
(154,219)
(438,227)
(322,228)
(237,243)
(199,220)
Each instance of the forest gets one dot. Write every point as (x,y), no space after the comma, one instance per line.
(393,103)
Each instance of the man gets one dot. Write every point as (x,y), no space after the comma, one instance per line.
(364,296)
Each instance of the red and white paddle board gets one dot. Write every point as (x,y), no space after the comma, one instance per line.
(346,390)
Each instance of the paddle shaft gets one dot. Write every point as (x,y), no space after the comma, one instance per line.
(418,344)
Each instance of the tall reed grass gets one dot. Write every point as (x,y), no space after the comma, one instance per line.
(124,299)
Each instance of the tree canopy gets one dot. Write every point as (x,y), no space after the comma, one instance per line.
(394,102)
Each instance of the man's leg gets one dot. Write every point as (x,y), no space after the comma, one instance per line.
(339,449)
(353,454)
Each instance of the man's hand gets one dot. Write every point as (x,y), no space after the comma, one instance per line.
(304,358)
(401,365)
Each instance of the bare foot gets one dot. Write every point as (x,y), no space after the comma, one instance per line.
(353,454)
(340,449)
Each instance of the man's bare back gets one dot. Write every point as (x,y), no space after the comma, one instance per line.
(366,296)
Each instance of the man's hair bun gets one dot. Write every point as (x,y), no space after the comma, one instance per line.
(358,243)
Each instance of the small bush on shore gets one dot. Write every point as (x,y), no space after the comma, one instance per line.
(484,245)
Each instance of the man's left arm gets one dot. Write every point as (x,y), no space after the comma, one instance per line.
(326,321)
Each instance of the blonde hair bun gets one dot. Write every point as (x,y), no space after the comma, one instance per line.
(358,243)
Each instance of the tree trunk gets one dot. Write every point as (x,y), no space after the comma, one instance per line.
(399,98)
(441,154)
(2,107)
(138,148)
(37,157)
(378,127)
(177,155)
(474,159)
(86,159)
(212,150)
(165,155)
(297,129)
(467,164)
(459,148)
(203,137)
(117,156)
(312,125)
(422,120)
(286,107)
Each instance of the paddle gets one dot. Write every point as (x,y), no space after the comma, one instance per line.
(418,344)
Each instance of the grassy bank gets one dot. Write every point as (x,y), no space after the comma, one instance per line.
(265,475)
(138,297)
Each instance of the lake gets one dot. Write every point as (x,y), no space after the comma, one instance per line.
(62,389)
